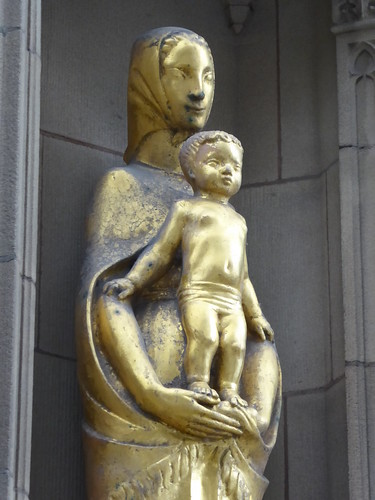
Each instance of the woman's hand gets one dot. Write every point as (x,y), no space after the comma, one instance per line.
(248,417)
(184,411)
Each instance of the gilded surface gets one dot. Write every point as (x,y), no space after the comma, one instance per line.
(153,427)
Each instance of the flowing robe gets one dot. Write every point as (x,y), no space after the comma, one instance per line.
(127,451)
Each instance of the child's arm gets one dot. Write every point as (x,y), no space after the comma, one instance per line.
(256,322)
(155,258)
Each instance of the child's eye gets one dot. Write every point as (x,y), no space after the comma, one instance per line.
(212,163)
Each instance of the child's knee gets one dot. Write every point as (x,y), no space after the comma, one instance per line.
(203,339)
(236,346)
(208,339)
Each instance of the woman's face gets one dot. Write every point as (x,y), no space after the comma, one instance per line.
(188,79)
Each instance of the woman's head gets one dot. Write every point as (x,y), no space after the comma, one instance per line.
(187,74)
(170,87)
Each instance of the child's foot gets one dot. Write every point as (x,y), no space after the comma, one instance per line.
(233,397)
(204,389)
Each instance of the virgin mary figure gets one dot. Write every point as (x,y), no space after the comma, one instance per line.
(145,435)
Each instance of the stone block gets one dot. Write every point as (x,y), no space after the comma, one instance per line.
(84,95)
(326,85)
(337,444)
(307,447)
(11,141)
(307,88)
(57,461)
(335,271)
(9,344)
(275,470)
(69,175)
(370,387)
(257,107)
(366,160)
(11,13)
(5,482)
(352,275)
(288,265)
(358,430)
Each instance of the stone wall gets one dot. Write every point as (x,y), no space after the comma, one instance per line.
(276,90)
(290,195)
(19,170)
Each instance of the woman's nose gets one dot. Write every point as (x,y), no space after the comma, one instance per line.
(196,96)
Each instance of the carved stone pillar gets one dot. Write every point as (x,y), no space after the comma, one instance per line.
(355,33)
(19,178)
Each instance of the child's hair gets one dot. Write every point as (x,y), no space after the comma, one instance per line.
(191,146)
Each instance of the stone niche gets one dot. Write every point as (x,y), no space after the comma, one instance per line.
(276,90)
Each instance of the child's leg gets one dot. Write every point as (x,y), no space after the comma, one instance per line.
(233,348)
(200,320)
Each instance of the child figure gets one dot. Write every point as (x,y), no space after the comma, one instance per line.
(216,298)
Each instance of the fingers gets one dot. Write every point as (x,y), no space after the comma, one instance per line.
(200,430)
(219,427)
(110,287)
(124,289)
(211,415)
(247,417)
(218,421)
(206,399)
(260,332)
(124,294)
(270,333)
(249,420)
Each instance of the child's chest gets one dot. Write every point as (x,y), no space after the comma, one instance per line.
(216,221)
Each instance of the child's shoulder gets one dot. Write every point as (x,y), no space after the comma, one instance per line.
(238,215)
(182,206)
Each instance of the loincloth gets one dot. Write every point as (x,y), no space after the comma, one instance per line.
(224,298)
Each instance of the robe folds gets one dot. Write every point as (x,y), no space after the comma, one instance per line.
(129,453)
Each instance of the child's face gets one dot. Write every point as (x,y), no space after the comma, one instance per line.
(218,168)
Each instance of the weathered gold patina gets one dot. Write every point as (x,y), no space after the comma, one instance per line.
(145,434)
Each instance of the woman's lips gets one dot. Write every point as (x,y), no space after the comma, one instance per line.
(196,109)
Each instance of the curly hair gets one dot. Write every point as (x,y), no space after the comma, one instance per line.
(191,146)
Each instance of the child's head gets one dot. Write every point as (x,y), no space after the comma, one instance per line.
(212,162)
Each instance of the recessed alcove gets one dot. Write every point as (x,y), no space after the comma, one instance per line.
(276,90)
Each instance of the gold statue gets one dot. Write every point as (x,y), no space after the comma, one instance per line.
(146,434)
(215,294)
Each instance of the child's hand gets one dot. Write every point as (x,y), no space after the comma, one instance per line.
(123,287)
(260,327)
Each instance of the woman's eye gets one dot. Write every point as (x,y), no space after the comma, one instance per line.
(208,77)
(177,73)
(183,72)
